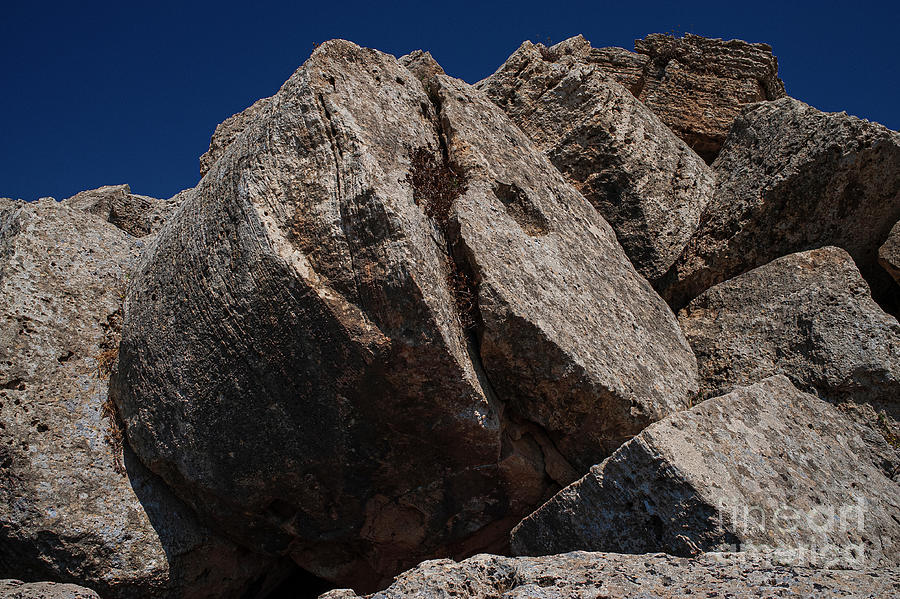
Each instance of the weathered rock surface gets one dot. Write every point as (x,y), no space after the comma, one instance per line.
(809,316)
(301,359)
(228,130)
(136,215)
(70,509)
(16,589)
(791,178)
(889,253)
(643,180)
(580,575)
(696,85)
(765,468)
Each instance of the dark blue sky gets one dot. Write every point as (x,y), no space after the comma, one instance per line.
(129,92)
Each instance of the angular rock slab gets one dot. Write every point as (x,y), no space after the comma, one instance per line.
(643,180)
(765,468)
(571,337)
(68,510)
(16,589)
(791,178)
(889,253)
(296,362)
(136,215)
(808,316)
(580,574)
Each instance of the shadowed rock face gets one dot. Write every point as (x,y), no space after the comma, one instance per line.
(384,327)
(581,574)
(136,215)
(791,178)
(70,508)
(643,180)
(889,253)
(721,476)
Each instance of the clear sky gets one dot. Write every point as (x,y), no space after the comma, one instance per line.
(97,93)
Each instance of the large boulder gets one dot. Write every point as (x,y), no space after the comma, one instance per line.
(791,178)
(809,316)
(643,180)
(135,214)
(765,468)
(582,575)
(889,253)
(73,508)
(369,338)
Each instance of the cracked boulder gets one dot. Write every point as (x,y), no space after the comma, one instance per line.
(646,182)
(791,178)
(582,575)
(808,316)
(889,253)
(763,469)
(72,507)
(384,327)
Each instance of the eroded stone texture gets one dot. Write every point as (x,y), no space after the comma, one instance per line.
(136,215)
(791,178)
(70,508)
(301,352)
(16,589)
(889,253)
(809,316)
(765,468)
(641,178)
(228,130)
(580,575)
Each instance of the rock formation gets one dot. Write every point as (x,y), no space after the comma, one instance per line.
(68,509)
(792,178)
(386,279)
(136,215)
(612,576)
(391,323)
(889,253)
(765,469)
(643,180)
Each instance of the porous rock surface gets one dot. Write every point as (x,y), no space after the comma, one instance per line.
(426,373)
(808,316)
(16,589)
(581,575)
(889,253)
(792,178)
(70,508)
(765,468)
(643,180)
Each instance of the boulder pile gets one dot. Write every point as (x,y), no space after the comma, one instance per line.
(638,304)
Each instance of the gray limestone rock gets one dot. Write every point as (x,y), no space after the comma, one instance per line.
(136,215)
(643,180)
(229,130)
(16,589)
(583,575)
(889,253)
(791,178)
(383,327)
(73,508)
(763,469)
